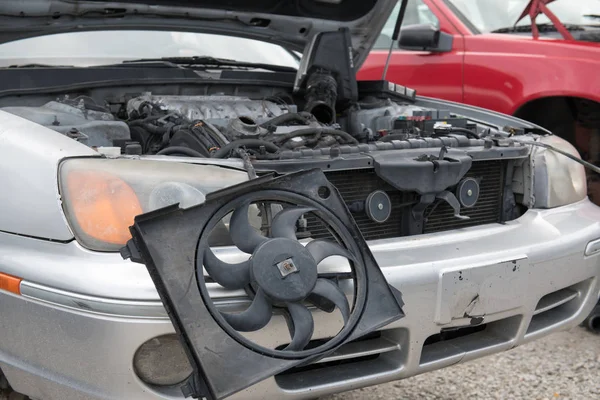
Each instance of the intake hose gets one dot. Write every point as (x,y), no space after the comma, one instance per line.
(321,96)
(153,129)
(225,150)
(173,150)
(284,119)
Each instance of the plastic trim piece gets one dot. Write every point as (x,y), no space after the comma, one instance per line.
(99,305)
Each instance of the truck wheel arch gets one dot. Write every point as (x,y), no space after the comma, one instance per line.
(559,114)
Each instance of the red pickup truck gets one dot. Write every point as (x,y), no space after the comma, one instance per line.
(488,60)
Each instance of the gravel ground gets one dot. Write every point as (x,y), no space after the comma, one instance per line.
(565,365)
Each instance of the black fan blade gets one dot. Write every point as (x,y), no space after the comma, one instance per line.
(320,249)
(284,222)
(243,235)
(301,326)
(331,292)
(230,276)
(257,316)
(321,303)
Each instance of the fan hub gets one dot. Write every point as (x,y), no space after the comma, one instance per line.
(284,269)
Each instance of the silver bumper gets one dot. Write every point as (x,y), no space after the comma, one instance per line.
(81,317)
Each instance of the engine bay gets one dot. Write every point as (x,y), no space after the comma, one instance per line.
(267,128)
(320,110)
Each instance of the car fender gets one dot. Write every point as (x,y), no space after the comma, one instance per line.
(29,158)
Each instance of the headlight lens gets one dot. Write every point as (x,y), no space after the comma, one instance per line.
(101,197)
(558,180)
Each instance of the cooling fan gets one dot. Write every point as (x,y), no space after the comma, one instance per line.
(281,270)
(280,274)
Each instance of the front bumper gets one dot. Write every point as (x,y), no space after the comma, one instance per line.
(82,315)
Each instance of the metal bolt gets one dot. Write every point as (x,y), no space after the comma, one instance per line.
(470,193)
(380,206)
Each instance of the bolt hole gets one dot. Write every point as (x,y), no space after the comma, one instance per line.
(324,192)
(302,30)
(501,154)
(328,165)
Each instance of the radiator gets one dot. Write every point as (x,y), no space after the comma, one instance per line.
(356,185)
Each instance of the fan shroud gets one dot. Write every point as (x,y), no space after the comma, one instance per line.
(167,241)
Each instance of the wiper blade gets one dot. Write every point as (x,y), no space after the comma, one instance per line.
(34,65)
(541,27)
(213,62)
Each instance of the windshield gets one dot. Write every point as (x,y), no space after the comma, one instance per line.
(109,47)
(490,15)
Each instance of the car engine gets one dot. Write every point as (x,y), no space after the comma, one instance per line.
(217,125)
(286,133)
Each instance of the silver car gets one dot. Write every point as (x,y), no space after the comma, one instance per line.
(225,212)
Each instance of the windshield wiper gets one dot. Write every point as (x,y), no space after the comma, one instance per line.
(34,65)
(541,27)
(205,61)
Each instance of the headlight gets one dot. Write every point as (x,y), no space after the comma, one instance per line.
(558,180)
(101,197)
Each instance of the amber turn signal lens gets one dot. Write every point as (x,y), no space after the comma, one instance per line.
(10,283)
(103,205)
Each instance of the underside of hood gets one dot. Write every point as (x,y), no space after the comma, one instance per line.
(290,23)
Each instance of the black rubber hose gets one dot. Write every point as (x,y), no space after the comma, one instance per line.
(186,151)
(139,122)
(267,156)
(223,151)
(285,118)
(155,130)
(313,131)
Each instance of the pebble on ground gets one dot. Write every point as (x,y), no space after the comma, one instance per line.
(562,366)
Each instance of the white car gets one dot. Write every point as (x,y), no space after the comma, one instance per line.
(191,210)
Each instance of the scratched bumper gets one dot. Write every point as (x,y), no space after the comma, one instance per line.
(487,288)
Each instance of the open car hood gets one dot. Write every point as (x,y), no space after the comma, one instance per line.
(289,23)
